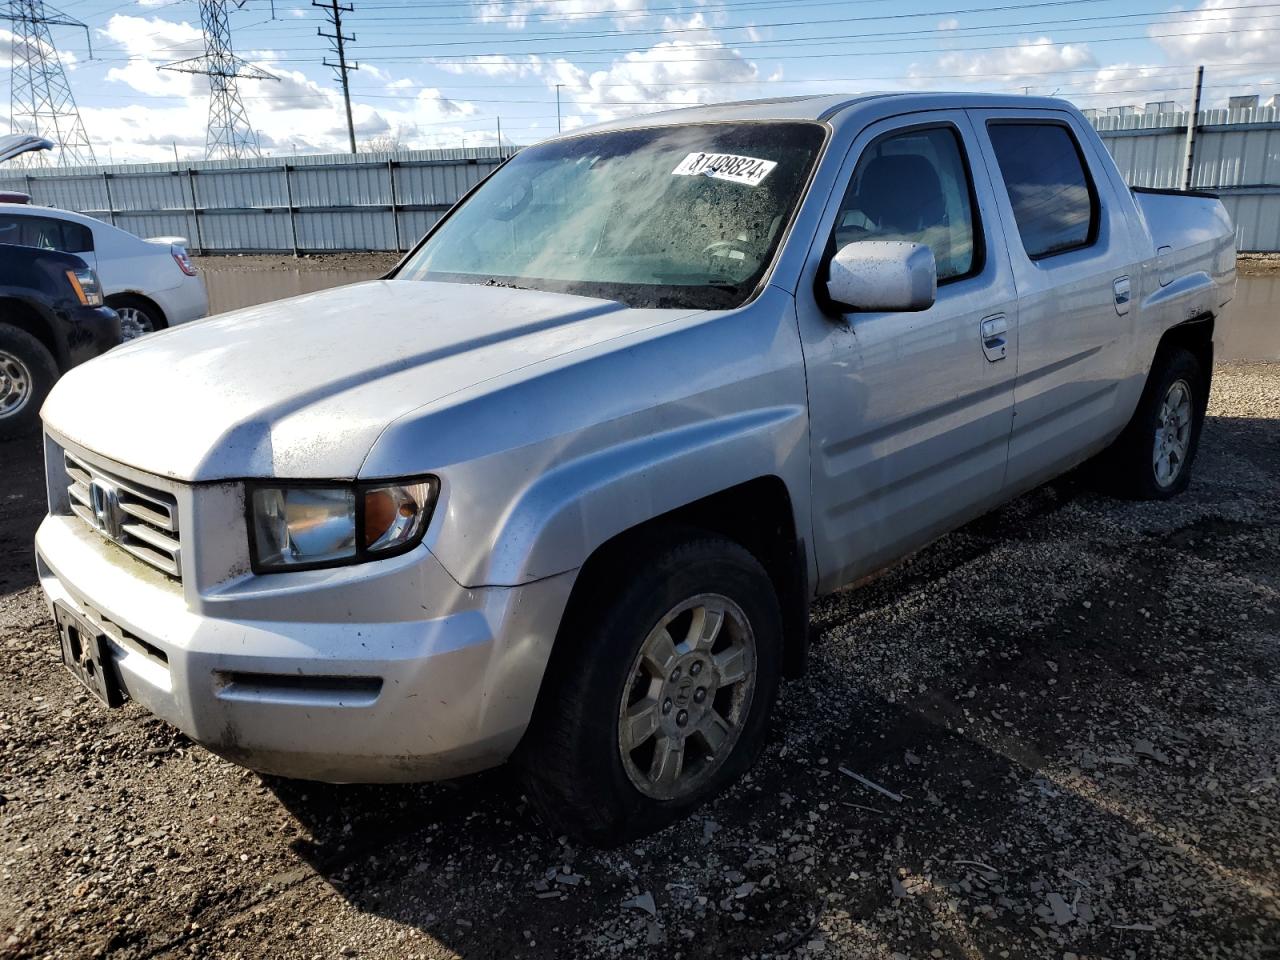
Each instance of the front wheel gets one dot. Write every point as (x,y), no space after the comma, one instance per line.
(659,693)
(27,374)
(1152,459)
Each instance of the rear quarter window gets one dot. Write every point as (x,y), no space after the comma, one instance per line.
(1055,203)
(76,237)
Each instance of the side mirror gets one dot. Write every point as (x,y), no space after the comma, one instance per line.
(883,275)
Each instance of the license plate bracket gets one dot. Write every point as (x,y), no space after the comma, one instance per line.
(85,653)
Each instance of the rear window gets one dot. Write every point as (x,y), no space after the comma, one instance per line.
(1054,201)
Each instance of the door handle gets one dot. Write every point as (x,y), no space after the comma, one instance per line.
(995,343)
(1123,295)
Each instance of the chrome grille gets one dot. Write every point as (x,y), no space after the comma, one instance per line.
(139,519)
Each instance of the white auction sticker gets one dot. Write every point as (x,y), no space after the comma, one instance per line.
(725,166)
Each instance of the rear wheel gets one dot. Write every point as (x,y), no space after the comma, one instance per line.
(137,316)
(27,374)
(660,692)
(1152,459)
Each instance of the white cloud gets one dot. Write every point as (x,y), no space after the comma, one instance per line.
(950,23)
(293,112)
(433,104)
(515,15)
(1030,58)
(291,90)
(1217,30)
(669,74)
(8,39)
(497,65)
(150,42)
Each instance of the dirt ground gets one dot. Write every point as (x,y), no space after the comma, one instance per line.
(1074,702)
(1258,264)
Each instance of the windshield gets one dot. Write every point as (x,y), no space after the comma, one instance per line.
(685,216)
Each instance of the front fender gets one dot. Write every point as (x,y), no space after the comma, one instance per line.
(560,519)
(540,468)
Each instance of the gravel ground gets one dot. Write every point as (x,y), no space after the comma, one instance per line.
(1071,705)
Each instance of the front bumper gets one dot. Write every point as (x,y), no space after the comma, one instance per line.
(91,333)
(273,674)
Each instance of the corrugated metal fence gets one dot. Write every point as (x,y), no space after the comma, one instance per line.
(386,202)
(304,204)
(1237,156)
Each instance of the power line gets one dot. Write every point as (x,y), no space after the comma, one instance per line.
(1004,8)
(487,59)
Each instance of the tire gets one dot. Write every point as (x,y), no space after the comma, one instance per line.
(1171,413)
(577,772)
(137,316)
(27,374)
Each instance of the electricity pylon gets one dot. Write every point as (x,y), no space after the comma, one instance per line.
(229,136)
(40,100)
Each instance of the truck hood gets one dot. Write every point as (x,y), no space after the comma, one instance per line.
(302,388)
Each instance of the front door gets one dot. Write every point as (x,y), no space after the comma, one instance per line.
(910,413)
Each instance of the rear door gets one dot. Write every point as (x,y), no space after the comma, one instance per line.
(1070,251)
(910,413)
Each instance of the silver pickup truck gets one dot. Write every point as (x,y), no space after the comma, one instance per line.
(560,489)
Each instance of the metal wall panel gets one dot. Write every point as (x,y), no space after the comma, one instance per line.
(158,225)
(241,188)
(341,230)
(248,231)
(162,192)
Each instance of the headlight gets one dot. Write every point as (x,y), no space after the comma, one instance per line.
(86,286)
(301,527)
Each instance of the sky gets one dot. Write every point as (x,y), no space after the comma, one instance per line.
(444,74)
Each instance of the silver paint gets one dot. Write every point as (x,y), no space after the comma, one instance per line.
(556,422)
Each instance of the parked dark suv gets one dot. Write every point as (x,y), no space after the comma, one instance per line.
(51,318)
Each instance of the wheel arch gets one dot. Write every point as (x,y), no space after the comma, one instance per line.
(123,296)
(31,319)
(757,514)
(1195,336)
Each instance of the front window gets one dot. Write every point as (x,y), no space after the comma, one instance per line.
(684,216)
(915,186)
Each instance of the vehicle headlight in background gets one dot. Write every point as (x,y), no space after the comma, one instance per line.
(86,286)
(307,526)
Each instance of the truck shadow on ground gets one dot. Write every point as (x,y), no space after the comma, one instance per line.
(1074,697)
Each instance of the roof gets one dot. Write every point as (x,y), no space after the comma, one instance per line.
(55,212)
(827,107)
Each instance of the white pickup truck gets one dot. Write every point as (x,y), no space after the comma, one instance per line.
(561,487)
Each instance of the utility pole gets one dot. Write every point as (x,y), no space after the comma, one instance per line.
(499,133)
(334,11)
(1192,122)
(229,135)
(558,86)
(40,100)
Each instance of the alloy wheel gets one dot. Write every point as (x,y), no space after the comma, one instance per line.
(133,323)
(1173,434)
(688,696)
